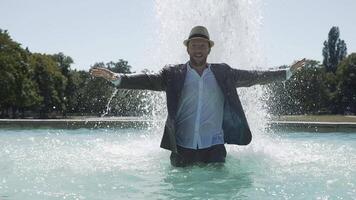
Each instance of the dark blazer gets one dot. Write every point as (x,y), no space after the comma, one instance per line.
(171,80)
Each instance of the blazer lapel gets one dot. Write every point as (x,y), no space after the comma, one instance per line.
(219,76)
(182,72)
(176,80)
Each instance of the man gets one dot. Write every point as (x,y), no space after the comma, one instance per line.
(204,110)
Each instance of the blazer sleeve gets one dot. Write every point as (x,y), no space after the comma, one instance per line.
(247,78)
(156,82)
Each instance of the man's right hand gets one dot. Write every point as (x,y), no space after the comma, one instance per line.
(103,73)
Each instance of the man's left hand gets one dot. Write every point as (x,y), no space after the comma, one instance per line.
(298,66)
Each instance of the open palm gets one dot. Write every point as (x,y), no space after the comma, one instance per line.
(298,65)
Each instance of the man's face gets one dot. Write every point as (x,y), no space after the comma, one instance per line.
(198,50)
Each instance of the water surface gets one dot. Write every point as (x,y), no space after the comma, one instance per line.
(128,164)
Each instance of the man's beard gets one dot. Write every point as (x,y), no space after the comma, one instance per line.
(195,62)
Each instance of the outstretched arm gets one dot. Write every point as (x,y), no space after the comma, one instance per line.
(247,78)
(131,81)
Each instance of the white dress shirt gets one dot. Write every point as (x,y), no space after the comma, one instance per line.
(200,111)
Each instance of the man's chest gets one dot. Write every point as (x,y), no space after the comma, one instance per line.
(203,88)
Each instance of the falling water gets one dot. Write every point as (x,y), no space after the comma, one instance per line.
(234,25)
(108,108)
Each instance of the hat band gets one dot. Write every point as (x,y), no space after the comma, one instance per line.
(199,35)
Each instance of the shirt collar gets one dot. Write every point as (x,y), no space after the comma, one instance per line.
(190,68)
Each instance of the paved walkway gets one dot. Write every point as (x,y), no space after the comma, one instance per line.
(99,119)
(93,122)
(314,126)
(137,122)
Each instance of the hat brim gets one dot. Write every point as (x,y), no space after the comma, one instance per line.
(185,42)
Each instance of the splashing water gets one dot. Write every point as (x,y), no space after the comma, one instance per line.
(233,26)
(108,104)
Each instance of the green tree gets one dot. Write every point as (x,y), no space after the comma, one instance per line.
(304,93)
(69,97)
(330,83)
(121,66)
(17,90)
(309,89)
(346,86)
(51,83)
(95,94)
(79,104)
(334,50)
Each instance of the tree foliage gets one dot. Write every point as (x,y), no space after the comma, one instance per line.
(43,85)
(346,85)
(17,90)
(304,93)
(334,50)
(51,84)
(319,89)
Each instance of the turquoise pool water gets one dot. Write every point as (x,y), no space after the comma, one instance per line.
(128,164)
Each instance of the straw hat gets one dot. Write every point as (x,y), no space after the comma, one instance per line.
(199,32)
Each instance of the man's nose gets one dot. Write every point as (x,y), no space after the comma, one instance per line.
(198,50)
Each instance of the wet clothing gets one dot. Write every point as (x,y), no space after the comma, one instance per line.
(171,79)
(200,111)
(186,157)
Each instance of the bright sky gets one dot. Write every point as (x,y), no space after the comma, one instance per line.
(93,31)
